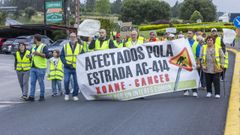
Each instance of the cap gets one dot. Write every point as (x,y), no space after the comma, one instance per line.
(213,29)
(118,35)
(171,35)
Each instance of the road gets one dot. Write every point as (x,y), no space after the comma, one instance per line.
(167,114)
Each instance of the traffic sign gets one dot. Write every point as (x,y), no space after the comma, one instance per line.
(236,22)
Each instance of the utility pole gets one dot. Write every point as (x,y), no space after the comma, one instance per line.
(77,12)
(65,11)
(45,12)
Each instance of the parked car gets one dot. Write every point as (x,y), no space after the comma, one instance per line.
(57,45)
(28,40)
(2,40)
(8,45)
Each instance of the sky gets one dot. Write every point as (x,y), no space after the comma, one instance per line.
(229,6)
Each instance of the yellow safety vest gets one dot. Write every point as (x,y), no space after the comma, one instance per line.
(105,45)
(194,48)
(56,72)
(39,62)
(129,43)
(117,45)
(226,60)
(217,55)
(218,42)
(23,64)
(71,56)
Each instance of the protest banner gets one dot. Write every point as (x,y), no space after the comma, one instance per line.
(140,71)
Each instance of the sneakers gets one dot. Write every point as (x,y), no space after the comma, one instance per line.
(24,98)
(186,93)
(209,95)
(54,95)
(195,94)
(75,98)
(31,99)
(66,98)
(217,96)
(41,98)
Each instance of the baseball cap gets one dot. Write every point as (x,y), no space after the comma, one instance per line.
(213,29)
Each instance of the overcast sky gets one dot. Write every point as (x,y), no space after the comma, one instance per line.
(232,6)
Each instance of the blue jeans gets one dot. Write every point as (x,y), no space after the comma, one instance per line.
(37,74)
(67,77)
(56,86)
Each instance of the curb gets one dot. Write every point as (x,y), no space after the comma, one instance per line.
(232,126)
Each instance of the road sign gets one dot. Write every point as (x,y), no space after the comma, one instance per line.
(54,12)
(182,60)
(236,22)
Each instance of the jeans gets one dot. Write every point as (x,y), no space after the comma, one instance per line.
(56,86)
(37,74)
(202,78)
(23,79)
(215,79)
(67,78)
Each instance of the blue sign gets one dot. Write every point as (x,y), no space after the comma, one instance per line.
(236,22)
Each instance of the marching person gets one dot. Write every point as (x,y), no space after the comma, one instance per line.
(39,55)
(22,67)
(102,43)
(196,52)
(153,37)
(118,42)
(69,57)
(135,40)
(212,64)
(55,73)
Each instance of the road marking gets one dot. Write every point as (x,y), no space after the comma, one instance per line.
(10,102)
(232,126)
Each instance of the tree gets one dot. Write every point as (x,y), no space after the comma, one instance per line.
(175,10)
(116,7)
(91,5)
(103,6)
(195,16)
(29,12)
(205,7)
(152,12)
(3,16)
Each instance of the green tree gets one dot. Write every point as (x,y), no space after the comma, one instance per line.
(195,16)
(152,12)
(132,11)
(29,12)
(116,7)
(3,16)
(103,6)
(175,10)
(90,5)
(205,7)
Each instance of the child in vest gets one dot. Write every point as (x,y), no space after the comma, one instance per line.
(55,73)
(22,67)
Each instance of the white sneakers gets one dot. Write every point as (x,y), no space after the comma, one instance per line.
(186,93)
(66,98)
(217,96)
(195,94)
(209,95)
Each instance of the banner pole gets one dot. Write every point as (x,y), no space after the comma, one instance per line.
(177,79)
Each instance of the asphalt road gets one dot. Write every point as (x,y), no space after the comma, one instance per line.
(167,114)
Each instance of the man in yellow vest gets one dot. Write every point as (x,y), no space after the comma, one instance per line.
(196,49)
(118,42)
(39,53)
(102,43)
(135,40)
(68,56)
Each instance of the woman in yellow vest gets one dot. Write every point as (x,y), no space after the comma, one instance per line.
(23,66)
(55,73)
(212,64)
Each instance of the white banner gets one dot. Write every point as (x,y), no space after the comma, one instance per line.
(89,28)
(228,36)
(143,70)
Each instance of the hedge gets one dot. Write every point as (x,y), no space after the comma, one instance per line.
(161,26)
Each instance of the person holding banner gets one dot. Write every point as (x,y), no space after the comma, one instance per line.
(212,64)
(118,42)
(69,57)
(196,48)
(102,43)
(135,40)
(153,37)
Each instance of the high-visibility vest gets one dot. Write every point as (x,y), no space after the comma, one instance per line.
(130,44)
(140,38)
(226,60)
(194,48)
(23,64)
(105,45)
(218,42)
(56,72)
(195,37)
(217,55)
(39,62)
(71,56)
(118,45)
(85,47)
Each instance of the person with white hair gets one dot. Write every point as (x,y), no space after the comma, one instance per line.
(134,40)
